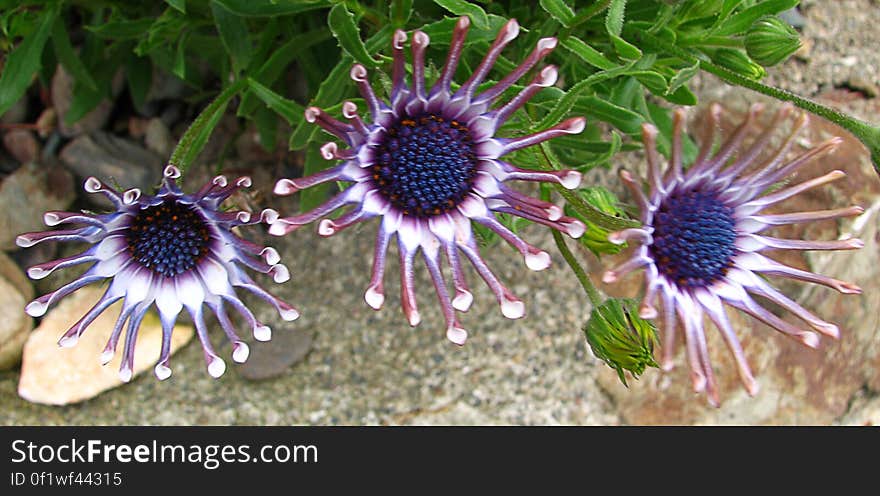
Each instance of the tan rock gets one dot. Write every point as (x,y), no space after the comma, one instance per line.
(15,324)
(10,271)
(28,193)
(54,375)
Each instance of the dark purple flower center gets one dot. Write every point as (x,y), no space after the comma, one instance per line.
(425,165)
(694,234)
(169,238)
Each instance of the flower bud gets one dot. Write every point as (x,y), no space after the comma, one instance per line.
(620,338)
(770,40)
(738,62)
(596,237)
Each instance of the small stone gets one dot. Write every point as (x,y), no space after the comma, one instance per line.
(13,274)
(863,86)
(22,145)
(112,159)
(15,324)
(864,412)
(271,359)
(26,194)
(158,138)
(54,375)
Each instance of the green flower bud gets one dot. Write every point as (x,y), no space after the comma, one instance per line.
(770,40)
(620,338)
(738,62)
(596,237)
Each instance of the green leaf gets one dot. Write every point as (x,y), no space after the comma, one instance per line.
(587,53)
(622,118)
(441,31)
(196,136)
(460,7)
(558,10)
(682,96)
(595,147)
(683,76)
(400,12)
(104,63)
(234,35)
(290,110)
(24,61)
(575,94)
(167,27)
(139,75)
(614,17)
(348,34)
(655,83)
(180,5)
(564,104)
(272,68)
(266,8)
(122,30)
(179,67)
(625,49)
(68,57)
(740,22)
(267,127)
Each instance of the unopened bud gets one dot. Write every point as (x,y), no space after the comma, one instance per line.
(596,238)
(770,40)
(620,338)
(738,62)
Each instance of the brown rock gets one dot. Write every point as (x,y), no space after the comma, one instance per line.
(112,159)
(26,194)
(54,375)
(15,324)
(158,138)
(13,274)
(21,144)
(289,346)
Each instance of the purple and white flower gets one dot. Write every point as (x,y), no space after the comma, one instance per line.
(173,249)
(428,164)
(702,243)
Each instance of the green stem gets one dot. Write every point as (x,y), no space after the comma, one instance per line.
(712,41)
(592,293)
(197,134)
(867,133)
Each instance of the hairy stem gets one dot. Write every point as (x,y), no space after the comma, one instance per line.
(592,293)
